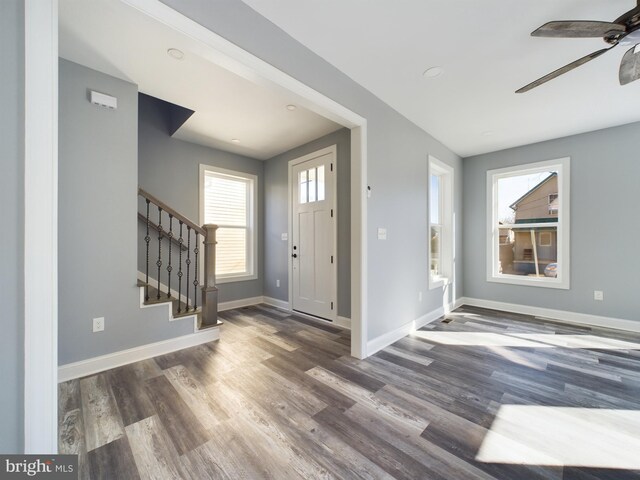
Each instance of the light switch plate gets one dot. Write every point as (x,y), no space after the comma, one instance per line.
(284,236)
(382,233)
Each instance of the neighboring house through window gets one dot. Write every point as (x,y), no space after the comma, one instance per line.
(228,199)
(440,223)
(528,224)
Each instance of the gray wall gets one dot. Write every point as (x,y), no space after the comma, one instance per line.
(12,251)
(169,168)
(397,163)
(98,180)
(276,207)
(605,172)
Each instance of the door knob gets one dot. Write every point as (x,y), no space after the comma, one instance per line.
(294,255)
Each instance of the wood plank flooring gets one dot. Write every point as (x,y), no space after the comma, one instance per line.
(488,395)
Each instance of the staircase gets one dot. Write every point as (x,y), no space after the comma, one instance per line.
(172,246)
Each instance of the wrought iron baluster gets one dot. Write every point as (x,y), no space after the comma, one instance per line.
(169,267)
(159,262)
(147,239)
(188,262)
(195,274)
(180,242)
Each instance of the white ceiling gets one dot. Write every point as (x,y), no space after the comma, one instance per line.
(487,53)
(109,36)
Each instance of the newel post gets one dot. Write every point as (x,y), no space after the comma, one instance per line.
(209,289)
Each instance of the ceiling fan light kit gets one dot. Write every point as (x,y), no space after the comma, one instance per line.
(624,31)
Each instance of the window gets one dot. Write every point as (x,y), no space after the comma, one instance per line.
(553,204)
(528,224)
(312,185)
(440,223)
(228,199)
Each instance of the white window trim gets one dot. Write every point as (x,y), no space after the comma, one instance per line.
(540,234)
(562,166)
(252,231)
(436,167)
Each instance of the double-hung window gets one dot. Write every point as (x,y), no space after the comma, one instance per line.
(528,224)
(440,223)
(228,199)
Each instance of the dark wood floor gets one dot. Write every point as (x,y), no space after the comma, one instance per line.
(488,395)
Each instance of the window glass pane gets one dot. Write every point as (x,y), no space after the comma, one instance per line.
(231,251)
(312,185)
(525,246)
(321,183)
(435,241)
(225,199)
(303,186)
(434,199)
(530,198)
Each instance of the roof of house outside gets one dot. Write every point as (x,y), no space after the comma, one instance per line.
(515,204)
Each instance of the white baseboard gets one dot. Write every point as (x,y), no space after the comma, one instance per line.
(124,357)
(561,315)
(243,302)
(275,302)
(343,322)
(393,336)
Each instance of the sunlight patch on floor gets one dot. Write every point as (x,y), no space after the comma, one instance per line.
(530,340)
(563,436)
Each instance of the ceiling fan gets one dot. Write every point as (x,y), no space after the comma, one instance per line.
(623,31)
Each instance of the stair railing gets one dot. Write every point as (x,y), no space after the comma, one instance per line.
(202,235)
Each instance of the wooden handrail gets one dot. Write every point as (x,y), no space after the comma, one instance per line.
(154,226)
(171,211)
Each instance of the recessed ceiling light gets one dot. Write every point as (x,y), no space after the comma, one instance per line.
(291,107)
(175,53)
(488,133)
(235,140)
(433,72)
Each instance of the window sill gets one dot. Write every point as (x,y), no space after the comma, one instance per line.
(234,279)
(437,282)
(542,282)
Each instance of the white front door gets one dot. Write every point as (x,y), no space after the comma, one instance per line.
(313,240)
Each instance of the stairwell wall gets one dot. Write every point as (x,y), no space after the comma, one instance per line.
(98,182)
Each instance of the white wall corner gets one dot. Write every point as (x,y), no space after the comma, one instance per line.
(393,336)
(106,362)
(343,322)
(274,302)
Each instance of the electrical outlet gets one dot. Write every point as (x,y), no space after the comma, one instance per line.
(284,236)
(598,295)
(419,296)
(278,283)
(382,233)
(98,324)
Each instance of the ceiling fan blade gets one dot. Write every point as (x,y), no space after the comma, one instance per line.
(630,66)
(577,29)
(562,70)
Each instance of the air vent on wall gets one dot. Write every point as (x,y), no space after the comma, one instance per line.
(103,100)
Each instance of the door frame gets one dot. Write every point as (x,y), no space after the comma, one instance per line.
(333,149)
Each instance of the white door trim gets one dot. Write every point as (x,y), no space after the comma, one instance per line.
(333,149)
(242,63)
(41,227)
